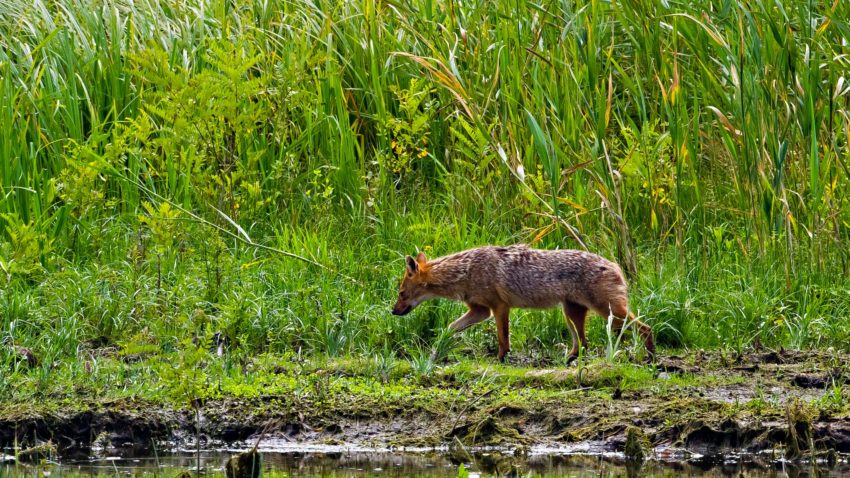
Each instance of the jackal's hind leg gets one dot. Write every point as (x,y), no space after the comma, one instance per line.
(475,314)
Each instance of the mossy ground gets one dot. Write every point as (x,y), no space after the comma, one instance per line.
(696,401)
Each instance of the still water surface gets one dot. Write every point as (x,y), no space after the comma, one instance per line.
(393,464)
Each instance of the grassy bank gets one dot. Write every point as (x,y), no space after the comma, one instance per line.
(176,172)
(705,403)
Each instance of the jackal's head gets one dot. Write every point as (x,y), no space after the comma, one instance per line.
(414,286)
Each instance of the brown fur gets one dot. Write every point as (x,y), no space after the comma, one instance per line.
(491,280)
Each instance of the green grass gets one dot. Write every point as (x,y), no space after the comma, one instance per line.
(333,386)
(162,162)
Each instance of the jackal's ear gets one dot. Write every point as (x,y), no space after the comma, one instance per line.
(412,266)
(420,259)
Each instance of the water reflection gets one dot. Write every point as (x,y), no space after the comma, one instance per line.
(403,464)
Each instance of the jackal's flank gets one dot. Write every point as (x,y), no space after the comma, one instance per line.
(491,280)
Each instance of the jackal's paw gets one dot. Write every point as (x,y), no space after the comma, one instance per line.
(459,325)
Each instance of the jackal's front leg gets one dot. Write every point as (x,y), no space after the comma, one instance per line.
(501,313)
(475,314)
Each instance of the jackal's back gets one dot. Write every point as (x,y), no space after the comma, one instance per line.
(536,278)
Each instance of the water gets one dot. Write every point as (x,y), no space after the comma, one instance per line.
(361,463)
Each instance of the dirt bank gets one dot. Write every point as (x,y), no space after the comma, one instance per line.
(696,404)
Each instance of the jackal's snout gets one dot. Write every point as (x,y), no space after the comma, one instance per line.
(401,308)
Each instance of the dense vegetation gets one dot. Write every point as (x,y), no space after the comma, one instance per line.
(176,172)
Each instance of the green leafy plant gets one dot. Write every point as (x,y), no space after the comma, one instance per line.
(409,130)
(23,248)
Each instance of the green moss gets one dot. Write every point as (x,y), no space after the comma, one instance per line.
(489,431)
(638,446)
(244,465)
(800,435)
(38,453)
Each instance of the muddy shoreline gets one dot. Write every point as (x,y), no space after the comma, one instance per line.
(753,403)
(146,427)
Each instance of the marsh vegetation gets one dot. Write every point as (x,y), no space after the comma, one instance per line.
(192,191)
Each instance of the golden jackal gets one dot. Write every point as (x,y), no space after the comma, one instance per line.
(493,279)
